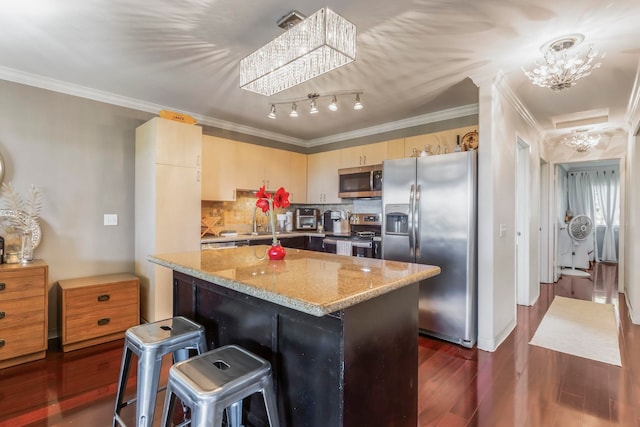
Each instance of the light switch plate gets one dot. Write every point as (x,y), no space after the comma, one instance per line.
(110,219)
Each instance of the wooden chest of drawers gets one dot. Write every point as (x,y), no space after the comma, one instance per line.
(98,309)
(23,312)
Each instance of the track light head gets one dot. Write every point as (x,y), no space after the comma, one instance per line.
(358,105)
(334,104)
(294,110)
(272,113)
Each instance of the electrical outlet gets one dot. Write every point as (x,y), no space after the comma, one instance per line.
(110,219)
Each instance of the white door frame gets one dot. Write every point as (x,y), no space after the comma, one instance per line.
(523,221)
(545,247)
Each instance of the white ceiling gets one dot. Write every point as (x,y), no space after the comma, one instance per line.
(414,57)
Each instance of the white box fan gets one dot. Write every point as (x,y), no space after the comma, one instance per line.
(580,228)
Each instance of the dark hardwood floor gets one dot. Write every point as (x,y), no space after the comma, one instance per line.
(518,385)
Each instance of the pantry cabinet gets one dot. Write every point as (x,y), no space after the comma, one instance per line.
(167,206)
(322,177)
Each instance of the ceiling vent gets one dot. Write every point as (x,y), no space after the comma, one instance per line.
(583,118)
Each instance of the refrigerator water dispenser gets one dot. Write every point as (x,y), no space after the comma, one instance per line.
(397,219)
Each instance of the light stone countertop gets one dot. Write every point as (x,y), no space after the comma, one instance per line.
(315,283)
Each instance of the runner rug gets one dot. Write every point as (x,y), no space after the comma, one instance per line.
(582,328)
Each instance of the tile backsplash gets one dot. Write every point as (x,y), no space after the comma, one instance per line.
(238,215)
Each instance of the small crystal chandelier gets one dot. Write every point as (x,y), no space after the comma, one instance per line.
(581,140)
(313,101)
(310,47)
(563,67)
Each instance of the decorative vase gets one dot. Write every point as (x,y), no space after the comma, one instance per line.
(26,250)
(276,252)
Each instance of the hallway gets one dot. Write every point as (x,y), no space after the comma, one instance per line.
(525,385)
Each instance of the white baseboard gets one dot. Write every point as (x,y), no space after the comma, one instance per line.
(492,343)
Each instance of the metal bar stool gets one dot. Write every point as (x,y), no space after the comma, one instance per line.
(211,382)
(150,342)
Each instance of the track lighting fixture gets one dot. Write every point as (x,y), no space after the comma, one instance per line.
(314,99)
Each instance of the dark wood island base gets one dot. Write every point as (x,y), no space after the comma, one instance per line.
(355,367)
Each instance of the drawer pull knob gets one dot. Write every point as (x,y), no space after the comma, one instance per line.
(3,286)
(103,321)
(2,315)
(1,343)
(104,297)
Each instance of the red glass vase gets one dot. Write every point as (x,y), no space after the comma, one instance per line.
(276,252)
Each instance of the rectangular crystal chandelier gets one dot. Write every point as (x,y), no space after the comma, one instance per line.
(320,43)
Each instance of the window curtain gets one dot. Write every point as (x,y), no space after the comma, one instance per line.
(581,200)
(606,188)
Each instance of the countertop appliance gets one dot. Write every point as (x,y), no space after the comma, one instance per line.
(306,219)
(429,210)
(364,239)
(360,182)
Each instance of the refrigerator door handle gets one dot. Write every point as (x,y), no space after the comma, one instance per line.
(411,233)
(416,218)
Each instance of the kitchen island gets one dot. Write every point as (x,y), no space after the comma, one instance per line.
(340,332)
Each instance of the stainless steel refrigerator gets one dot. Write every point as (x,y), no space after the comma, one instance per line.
(429,217)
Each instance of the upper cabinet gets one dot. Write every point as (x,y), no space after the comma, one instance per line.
(395,149)
(437,142)
(219,162)
(170,148)
(261,166)
(229,165)
(322,177)
(297,186)
(363,155)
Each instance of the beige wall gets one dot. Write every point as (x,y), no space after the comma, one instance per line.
(80,154)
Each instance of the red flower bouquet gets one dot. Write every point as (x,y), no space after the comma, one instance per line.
(267,201)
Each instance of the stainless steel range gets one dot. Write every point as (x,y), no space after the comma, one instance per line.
(364,240)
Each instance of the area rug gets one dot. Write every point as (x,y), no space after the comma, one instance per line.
(582,328)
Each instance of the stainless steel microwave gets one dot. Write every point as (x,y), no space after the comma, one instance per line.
(362,181)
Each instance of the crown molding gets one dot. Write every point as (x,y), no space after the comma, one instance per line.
(505,89)
(29,79)
(135,104)
(452,113)
(633,108)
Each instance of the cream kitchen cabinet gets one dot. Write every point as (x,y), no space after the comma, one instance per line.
(322,177)
(395,149)
(297,186)
(220,160)
(167,207)
(258,166)
(363,155)
(438,142)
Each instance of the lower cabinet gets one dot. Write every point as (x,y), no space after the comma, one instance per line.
(314,244)
(297,242)
(23,312)
(98,309)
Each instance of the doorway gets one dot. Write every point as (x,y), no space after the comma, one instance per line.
(590,189)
